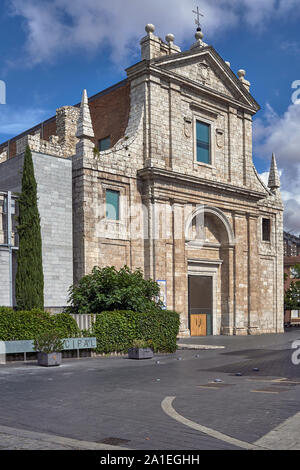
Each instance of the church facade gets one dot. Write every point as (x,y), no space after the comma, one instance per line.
(163,180)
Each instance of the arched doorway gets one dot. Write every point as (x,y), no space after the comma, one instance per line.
(209,248)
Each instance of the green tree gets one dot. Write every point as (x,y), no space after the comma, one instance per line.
(292,296)
(107,289)
(29,277)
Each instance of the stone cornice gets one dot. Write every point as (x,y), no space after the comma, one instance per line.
(158,174)
(188,83)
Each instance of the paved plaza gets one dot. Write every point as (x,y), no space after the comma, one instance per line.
(191,400)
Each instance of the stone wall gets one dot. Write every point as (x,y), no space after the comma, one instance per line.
(4,276)
(155,164)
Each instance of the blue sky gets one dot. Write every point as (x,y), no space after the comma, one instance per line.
(51,50)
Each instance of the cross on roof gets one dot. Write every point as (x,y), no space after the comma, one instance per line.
(197,21)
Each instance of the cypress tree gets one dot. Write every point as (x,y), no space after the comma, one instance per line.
(29,277)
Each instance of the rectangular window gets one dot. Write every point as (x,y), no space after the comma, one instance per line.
(295,314)
(266,230)
(104,144)
(203,142)
(112,204)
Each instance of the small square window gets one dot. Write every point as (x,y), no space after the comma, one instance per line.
(112,204)
(266,230)
(203,142)
(104,144)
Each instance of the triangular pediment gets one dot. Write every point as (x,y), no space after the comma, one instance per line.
(207,69)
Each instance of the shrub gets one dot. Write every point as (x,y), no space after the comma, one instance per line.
(23,325)
(6,310)
(65,325)
(48,342)
(107,289)
(141,344)
(161,327)
(116,331)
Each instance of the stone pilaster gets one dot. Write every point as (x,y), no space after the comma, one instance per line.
(241,275)
(253,278)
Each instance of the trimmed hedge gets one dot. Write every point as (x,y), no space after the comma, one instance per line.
(26,325)
(115,331)
(65,325)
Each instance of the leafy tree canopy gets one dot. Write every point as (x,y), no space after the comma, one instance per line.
(107,289)
(292,296)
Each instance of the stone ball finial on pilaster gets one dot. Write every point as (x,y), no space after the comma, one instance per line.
(241,74)
(170,38)
(150,28)
(199,40)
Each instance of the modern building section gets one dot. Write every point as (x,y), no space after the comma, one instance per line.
(8,248)
(54,188)
(291,259)
(291,245)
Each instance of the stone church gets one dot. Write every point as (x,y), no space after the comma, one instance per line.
(156,172)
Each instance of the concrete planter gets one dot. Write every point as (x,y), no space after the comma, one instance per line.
(49,360)
(140,353)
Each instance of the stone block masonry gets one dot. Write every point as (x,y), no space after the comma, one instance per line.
(4,277)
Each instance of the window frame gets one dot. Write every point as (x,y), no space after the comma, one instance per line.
(211,124)
(112,190)
(101,140)
(262,229)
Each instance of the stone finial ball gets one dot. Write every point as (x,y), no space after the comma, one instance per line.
(241,73)
(227,63)
(150,28)
(199,35)
(170,37)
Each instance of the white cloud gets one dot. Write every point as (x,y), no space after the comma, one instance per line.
(281,135)
(58,26)
(14,120)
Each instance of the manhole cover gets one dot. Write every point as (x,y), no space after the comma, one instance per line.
(113,441)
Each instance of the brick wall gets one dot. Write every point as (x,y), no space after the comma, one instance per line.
(109,112)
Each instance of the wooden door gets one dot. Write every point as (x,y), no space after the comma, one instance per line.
(198,325)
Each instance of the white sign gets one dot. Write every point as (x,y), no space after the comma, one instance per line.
(163,293)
